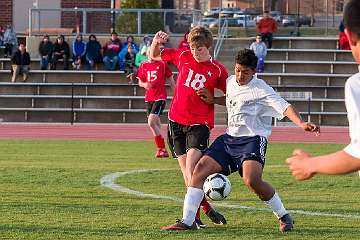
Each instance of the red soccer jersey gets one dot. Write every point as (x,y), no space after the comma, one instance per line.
(155,73)
(187,107)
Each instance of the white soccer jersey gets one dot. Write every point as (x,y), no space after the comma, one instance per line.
(251,107)
(352,102)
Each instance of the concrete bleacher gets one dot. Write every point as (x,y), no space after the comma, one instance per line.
(294,65)
(304,65)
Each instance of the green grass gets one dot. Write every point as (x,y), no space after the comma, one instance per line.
(51,190)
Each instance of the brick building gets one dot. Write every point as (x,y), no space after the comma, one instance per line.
(6,15)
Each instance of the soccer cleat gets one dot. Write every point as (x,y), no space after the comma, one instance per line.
(199,223)
(162,153)
(180,226)
(286,223)
(215,216)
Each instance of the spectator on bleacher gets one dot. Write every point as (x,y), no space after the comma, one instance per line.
(10,41)
(266,26)
(184,42)
(93,52)
(45,51)
(146,42)
(343,40)
(78,52)
(111,51)
(2,30)
(129,42)
(20,63)
(260,51)
(61,51)
(141,56)
(130,60)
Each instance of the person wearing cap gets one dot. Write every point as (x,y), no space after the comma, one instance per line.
(45,52)
(61,51)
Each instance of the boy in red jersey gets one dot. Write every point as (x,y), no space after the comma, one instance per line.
(152,76)
(190,117)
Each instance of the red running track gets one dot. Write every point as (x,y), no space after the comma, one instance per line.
(135,132)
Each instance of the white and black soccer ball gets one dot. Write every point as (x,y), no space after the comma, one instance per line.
(217,187)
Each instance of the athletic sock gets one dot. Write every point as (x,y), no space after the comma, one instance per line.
(192,202)
(197,214)
(276,206)
(205,205)
(159,142)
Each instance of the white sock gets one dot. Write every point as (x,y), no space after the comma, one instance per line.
(192,201)
(276,206)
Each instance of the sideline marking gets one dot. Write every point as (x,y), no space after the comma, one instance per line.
(109,182)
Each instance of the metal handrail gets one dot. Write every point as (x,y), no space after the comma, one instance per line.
(221,37)
(194,12)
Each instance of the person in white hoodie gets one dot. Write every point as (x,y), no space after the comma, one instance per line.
(260,50)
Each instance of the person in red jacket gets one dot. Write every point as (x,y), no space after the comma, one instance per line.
(343,40)
(266,26)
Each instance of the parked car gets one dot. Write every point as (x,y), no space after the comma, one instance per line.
(232,22)
(229,12)
(289,20)
(276,15)
(213,12)
(244,20)
(206,22)
(305,20)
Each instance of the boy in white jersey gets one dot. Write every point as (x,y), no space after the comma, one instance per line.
(302,165)
(251,104)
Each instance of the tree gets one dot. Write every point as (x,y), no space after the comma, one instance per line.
(151,22)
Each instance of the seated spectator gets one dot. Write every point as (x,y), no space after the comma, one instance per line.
(146,42)
(93,52)
(111,51)
(45,52)
(266,26)
(61,51)
(130,60)
(141,56)
(343,40)
(2,30)
(20,63)
(129,42)
(184,42)
(10,41)
(260,51)
(79,50)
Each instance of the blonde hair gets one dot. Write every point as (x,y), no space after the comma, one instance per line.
(200,36)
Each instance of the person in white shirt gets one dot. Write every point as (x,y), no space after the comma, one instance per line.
(260,51)
(302,165)
(251,104)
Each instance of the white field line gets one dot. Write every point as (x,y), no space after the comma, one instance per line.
(109,182)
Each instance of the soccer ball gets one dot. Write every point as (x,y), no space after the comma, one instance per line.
(217,187)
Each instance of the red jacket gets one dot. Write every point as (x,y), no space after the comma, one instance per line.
(266,25)
(343,41)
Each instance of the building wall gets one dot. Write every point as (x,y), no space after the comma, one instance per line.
(97,22)
(6,14)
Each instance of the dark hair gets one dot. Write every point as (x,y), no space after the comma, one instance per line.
(92,35)
(115,33)
(352,16)
(247,58)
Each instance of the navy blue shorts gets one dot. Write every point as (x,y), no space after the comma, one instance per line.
(230,152)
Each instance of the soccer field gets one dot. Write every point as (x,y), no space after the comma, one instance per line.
(51,190)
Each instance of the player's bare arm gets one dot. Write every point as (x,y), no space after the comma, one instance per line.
(159,38)
(294,116)
(303,166)
(145,85)
(171,83)
(209,98)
